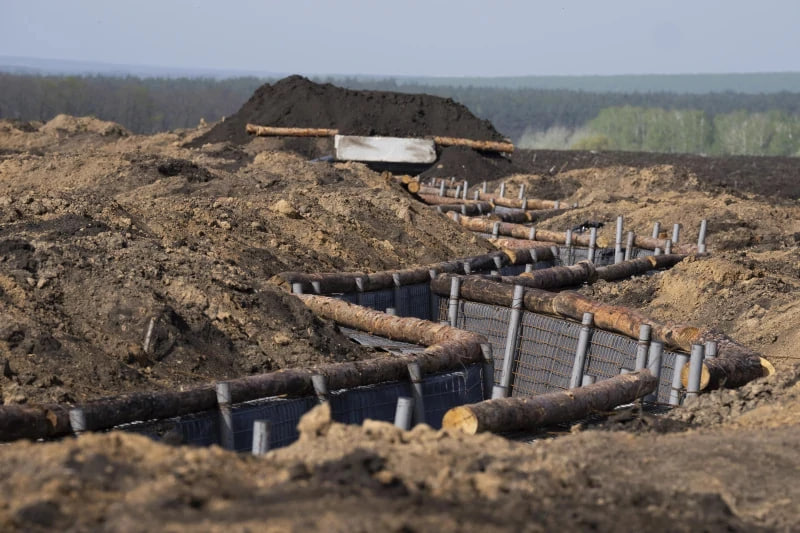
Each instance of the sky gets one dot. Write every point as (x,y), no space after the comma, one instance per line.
(413,37)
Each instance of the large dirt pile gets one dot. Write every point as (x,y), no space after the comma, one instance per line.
(363,478)
(99,237)
(298,102)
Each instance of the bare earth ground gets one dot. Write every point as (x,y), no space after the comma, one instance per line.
(100,231)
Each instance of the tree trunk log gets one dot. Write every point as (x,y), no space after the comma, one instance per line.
(521,244)
(523,216)
(435,199)
(33,422)
(523,255)
(449,192)
(637,267)
(486,146)
(519,231)
(504,201)
(649,243)
(734,365)
(526,414)
(271,131)
(475,209)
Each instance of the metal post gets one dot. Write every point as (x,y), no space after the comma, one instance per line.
(529,267)
(556,205)
(629,246)
(503,189)
(452,307)
(642,346)
(656,229)
(498,262)
(592,243)
(441,189)
(677,386)
(317,286)
(297,288)
(402,414)
(467,268)
(397,295)
(77,420)
(476,195)
(587,380)
(654,366)
(618,241)
(556,254)
(676,232)
(465,189)
(434,299)
(701,238)
(415,373)
(484,187)
(581,350)
(488,370)
(532,233)
(320,387)
(568,238)
(668,247)
(501,391)
(711,349)
(522,191)
(260,437)
(360,291)
(695,370)
(464,209)
(458,191)
(225,415)
(524,204)
(496,230)
(657,251)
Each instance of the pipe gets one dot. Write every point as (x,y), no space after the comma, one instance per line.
(581,350)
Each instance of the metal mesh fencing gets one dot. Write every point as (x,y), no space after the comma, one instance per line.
(545,355)
(441,392)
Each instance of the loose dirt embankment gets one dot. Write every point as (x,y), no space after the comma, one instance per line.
(100,233)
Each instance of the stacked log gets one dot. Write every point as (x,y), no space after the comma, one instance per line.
(518,231)
(272,131)
(526,414)
(485,146)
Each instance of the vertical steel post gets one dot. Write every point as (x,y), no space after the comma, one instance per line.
(629,246)
(581,350)
(524,204)
(317,286)
(695,370)
(433,298)
(452,308)
(488,370)
(587,380)
(484,187)
(656,229)
(677,386)
(466,188)
(496,230)
(415,374)
(77,420)
(643,346)
(225,415)
(592,243)
(441,188)
(476,195)
(701,238)
(668,247)
(568,238)
(260,437)
(503,189)
(657,251)
(711,349)
(529,267)
(532,233)
(556,205)
(618,241)
(320,387)
(522,191)
(403,412)
(502,390)
(498,262)
(676,233)
(654,366)
(397,295)
(297,288)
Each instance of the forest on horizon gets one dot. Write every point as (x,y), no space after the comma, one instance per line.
(712,123)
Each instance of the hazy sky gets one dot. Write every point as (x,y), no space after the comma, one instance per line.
(413,37)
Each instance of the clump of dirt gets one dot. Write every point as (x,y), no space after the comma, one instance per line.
(100,239)
(69,125)
(471,165)
(299,102)
(359,478)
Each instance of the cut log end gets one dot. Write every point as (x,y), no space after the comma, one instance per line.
(766,367)
(413,187)
(461,419)
(705,377)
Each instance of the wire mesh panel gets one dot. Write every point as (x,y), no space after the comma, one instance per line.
(415,301)
(544,359)
(608,354)
(667,372)
(378,300)
(491,321)
(283,416)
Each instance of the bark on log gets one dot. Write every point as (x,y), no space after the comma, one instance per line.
(557,277)
(475,209)
(734,365)
(637,267)
(449,192)
(519,231)
(520,244)
(523,255)
(523,216)
(649,243)
(504,201)
(486,146)
(435,199)
(33,421)
(517,414)
(272,131)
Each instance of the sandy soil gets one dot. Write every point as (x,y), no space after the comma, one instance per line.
(99,233)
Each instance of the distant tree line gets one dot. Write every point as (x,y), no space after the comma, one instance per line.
(664,121)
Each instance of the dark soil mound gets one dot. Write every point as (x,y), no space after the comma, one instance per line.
(471,165)
(769,176)
(298,102)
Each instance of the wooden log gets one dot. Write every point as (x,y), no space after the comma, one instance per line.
(33,421)
(449,192)
(435,199)
(557,277)
(624,320)
(413,187)
(649,243)
(523,255)
(733,366)
(476,290)
(520,244)
(523,216)
(518,231)
(526,414)
(637,267)
(529,203)
(274,131)
(486,146)
(478,208)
